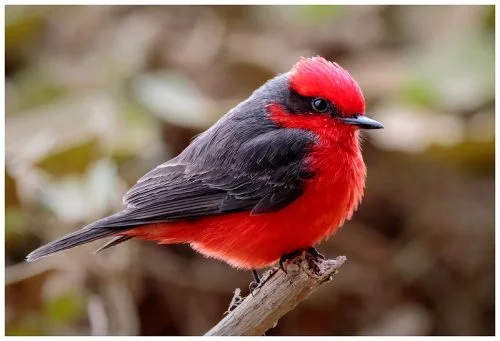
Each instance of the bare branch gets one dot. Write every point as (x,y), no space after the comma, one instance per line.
(279,294)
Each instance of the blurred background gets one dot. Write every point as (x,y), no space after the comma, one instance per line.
(97,96)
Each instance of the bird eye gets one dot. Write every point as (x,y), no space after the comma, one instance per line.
(319,104)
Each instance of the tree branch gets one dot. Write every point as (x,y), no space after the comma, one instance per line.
(279,294)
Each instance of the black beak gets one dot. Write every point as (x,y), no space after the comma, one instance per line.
(363,122)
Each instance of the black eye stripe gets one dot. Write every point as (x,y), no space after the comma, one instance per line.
(299,104)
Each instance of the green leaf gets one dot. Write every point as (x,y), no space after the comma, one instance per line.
(14,221)
(419,92)
(65,308)
(317,14)
(34,87)
(73,160)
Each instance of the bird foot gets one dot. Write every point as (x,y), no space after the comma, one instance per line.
(253,286)
(260,280)
(310,253)
(256,283)
(313,252)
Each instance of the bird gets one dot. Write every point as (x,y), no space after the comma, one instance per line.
(277,174)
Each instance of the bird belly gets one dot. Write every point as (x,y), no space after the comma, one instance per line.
(252,242)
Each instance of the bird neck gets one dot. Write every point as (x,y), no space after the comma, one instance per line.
(338,156)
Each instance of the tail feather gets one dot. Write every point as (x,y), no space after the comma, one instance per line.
(79,237)
(97,230)
(115,241)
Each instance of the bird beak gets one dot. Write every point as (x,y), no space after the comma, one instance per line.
(363,122)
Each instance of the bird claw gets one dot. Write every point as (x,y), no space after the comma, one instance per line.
(287,257)
(312,251)
(253,286)
(256,283)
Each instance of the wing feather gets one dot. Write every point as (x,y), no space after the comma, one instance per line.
(264,174)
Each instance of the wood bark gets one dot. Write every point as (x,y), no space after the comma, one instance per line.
(278,294)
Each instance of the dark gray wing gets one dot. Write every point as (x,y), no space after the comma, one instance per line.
(263,174)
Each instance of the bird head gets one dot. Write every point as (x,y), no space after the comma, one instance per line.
(321,97)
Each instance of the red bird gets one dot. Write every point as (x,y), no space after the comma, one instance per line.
(278,173)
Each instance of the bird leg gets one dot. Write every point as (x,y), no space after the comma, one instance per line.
(256,276)
(286,257)
(256,281)
(237,299)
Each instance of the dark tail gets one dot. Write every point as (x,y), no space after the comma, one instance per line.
(113,242)
(97,230)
